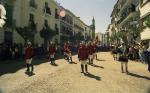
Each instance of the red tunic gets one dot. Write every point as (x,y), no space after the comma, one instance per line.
(52,49)
(94,48)
(90,50)
(67,49)
(83,53)
(28,53)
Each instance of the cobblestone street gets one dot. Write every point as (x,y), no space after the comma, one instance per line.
(104,77)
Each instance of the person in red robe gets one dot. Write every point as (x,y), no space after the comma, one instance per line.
(29,56)
(52,51)
(90,52)
(94,50)
(83,57)
(67,52)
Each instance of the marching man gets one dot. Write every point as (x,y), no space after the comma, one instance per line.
(90,52)
(67,52)
(83,57)
(94,50)
(52,51)
(29,56)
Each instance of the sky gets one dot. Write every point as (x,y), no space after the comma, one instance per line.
(86,9)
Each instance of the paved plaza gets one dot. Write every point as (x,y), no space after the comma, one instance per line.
(104,77)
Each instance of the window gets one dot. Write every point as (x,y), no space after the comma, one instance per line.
(32,4)
(31,17)
(32,25)
(46,23)
(47,9)
(46,4)
(56,27)
(56,13)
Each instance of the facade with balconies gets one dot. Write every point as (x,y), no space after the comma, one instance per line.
(26,19)
(125,19)
(145,19)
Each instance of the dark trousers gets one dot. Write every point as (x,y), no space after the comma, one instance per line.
(84,66)
(52,60)
(29,66)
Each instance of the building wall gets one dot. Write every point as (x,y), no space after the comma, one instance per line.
(22,10)
(100,36)
(124,16)
(145,9)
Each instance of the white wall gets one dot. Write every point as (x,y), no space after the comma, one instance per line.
(145,9)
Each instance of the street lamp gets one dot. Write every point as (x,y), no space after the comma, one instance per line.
(62,13)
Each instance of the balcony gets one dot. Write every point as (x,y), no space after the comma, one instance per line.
(145,10)
(129,11)
(32,26)
(124,6)
(144,2)
(131,15)
(78,27)
(47,10)
(68,19)
(66,30)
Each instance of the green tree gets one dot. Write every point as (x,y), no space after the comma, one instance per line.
(147,22)
(27,33)
(47,34)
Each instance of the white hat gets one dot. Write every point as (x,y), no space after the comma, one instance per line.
(29,43)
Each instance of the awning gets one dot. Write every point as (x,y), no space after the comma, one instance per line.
(145,35)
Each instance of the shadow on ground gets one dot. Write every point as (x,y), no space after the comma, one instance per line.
(13,66)
(93,76)
(100,59)
(97,66)
(138,76)
(30,74)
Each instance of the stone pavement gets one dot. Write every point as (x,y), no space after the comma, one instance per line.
(104,77)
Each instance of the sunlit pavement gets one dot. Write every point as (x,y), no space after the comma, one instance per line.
(104,77)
